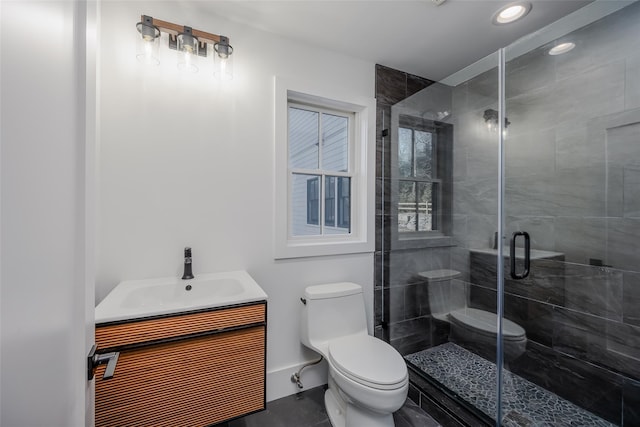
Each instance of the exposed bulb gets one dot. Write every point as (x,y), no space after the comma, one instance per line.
(148,52)
(186,63)
(223,59)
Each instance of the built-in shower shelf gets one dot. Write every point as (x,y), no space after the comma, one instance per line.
(438,275)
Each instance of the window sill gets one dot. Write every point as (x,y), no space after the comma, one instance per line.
(421,242)
(305,249)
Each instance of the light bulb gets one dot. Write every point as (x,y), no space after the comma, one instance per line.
(187,50)
(561,48)
(148,45)
(223,60)
(511,13)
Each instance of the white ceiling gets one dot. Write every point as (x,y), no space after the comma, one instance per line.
(413,36)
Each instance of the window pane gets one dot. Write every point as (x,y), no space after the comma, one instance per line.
(330,201)
(424,149)
(335,143)
(344,204)
(305,204)
(405,152)
(303,138)
(341,223)
(407,207)
(426,206)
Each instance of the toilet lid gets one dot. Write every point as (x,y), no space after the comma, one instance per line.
(487,323)
(368,360)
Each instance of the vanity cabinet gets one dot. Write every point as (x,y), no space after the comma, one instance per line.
(188,369)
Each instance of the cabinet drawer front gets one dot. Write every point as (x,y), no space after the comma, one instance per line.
(188,383)
(141,331)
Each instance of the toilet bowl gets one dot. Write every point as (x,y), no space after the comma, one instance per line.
(368,379)
(479,328)
(470,327)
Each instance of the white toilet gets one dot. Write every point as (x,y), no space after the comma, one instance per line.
(448,302)
(368,378)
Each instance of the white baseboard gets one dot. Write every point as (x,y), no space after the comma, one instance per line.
(279,380)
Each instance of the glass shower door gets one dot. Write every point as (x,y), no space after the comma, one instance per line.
(443,220)
(571,334)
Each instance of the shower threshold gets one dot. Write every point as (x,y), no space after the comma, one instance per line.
(473,379)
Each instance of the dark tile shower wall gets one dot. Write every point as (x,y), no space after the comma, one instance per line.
(404,320)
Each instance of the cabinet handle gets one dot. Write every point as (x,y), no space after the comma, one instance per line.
(93,360)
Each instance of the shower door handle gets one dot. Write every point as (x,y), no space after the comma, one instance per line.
(527,255)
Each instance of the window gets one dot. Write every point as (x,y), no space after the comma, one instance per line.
(319,141)
(324,172)
(418,185)
(422,190)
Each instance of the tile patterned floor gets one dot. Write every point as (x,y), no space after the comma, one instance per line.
(473,379)
(306,409)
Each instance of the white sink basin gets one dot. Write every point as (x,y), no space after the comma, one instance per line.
(134,299)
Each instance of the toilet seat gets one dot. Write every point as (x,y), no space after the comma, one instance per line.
(486,323)
(368,361)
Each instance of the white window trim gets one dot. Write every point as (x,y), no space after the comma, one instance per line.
(361,238)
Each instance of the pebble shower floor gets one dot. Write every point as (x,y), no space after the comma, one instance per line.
(473,379)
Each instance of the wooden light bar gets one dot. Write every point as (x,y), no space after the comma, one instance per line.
(175,29)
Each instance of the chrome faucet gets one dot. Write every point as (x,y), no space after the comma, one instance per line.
(188,273)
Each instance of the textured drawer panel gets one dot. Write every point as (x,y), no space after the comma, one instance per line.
(188,383)
(141,331)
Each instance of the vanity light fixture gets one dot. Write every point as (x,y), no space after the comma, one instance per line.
(561,48)
(491,119)
(189,44)
(511,13)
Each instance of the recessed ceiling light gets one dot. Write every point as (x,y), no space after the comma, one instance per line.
(511,12)
(561,48)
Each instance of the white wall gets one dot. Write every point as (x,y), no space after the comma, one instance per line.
(43,293)
(186,161)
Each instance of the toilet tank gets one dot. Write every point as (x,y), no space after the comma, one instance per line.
(331,311)
(445,292)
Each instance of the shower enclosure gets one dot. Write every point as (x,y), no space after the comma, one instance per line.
(512,281)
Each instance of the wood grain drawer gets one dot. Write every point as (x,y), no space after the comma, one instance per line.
(142,331)
(185,370)
(187,383)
